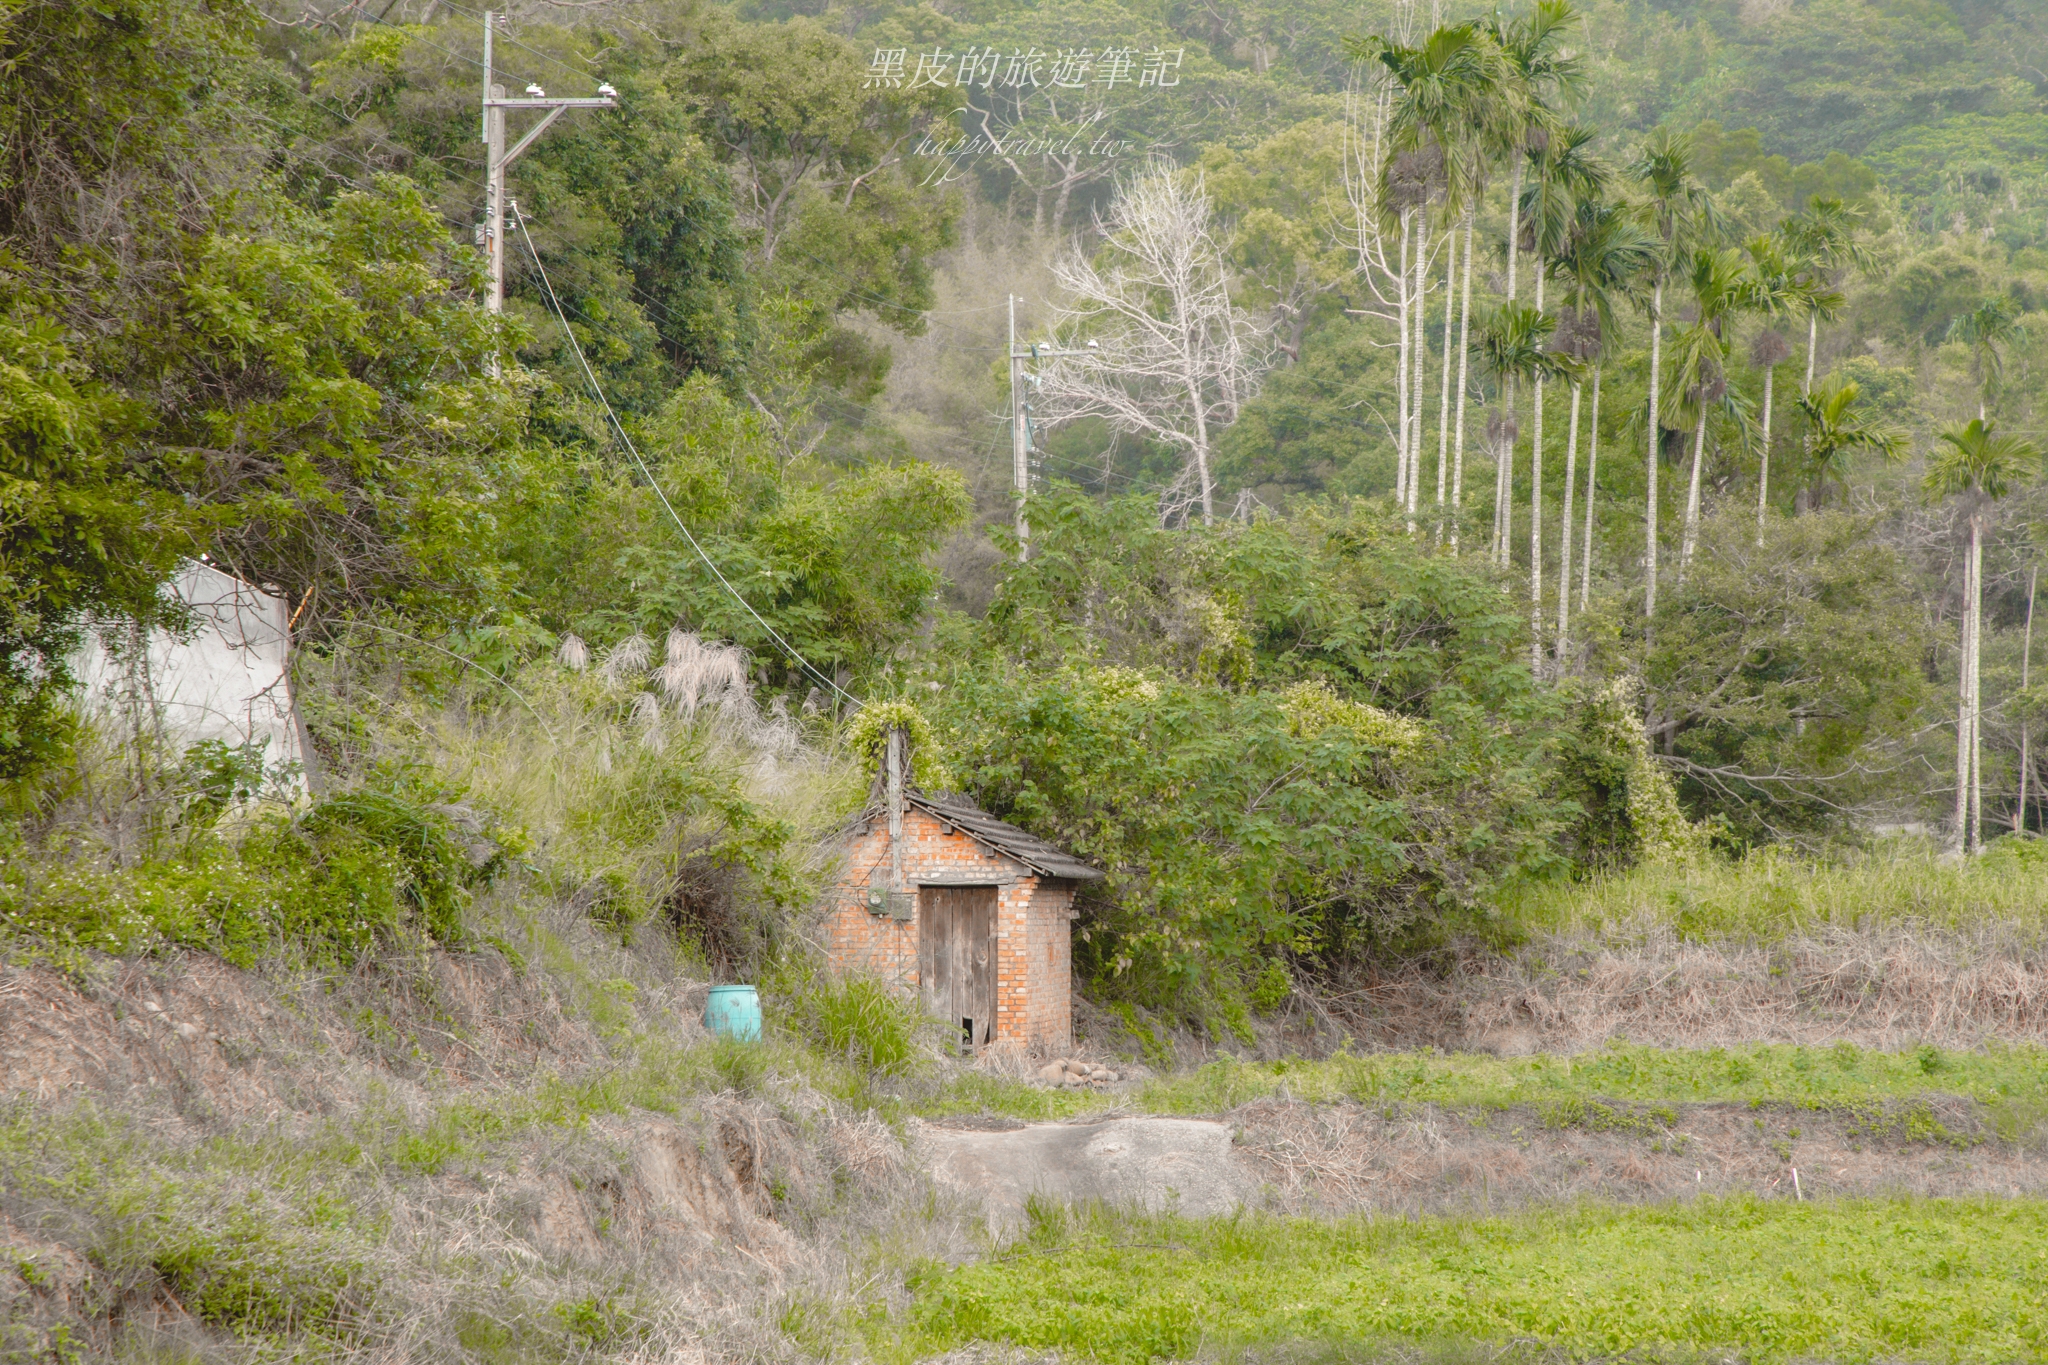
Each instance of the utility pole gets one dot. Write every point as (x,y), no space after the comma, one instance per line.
(498,159)
(1020,424)
(1020,438)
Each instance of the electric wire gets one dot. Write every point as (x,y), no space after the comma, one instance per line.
(652,482)
(1105,477)
(477,62)
(659,310)
(806,664)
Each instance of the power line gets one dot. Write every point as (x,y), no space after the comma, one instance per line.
(653,482)
(507,38)
(659,310)
(545,56)
(598,390)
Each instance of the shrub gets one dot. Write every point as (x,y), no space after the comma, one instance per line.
(329,883)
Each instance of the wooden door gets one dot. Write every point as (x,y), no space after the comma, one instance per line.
(956,958)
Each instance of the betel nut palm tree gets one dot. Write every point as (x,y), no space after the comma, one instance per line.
(1566,174)
(1989,330)
(1822,240)
(1719,282)
(1510,347)
(1539,73)
(1680,214)
(1978,465)
(1605,259)
(1778,290)
(1457,97)
(1514,348)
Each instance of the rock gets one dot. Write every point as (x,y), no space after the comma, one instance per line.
(1076,1067)
(187,1031)
(1053,1073)
(1074,1080)
(1187,1165)
(1107,1077)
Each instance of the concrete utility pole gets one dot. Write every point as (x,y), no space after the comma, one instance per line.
(498,158)
(1020,424)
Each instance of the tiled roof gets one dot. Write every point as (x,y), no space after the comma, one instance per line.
(1047,860)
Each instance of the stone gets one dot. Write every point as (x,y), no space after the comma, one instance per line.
(1186,1165)
(1053,1073)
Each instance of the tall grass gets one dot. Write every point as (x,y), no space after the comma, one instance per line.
(654,795)
(1771,895)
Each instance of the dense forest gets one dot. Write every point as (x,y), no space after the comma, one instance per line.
(1469,449)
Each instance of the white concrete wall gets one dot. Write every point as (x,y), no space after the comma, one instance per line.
(226,679)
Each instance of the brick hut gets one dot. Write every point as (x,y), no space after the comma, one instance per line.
(938,897)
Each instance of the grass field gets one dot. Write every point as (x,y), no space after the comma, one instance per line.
(2002,1077)
(1770,895)
(1773,1281)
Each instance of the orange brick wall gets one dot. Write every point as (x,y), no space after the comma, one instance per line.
(1034,937)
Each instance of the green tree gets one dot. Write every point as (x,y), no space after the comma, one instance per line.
(1785,678)
(1978,465)
(630,211)
(837,562)
(819,157)
(1292,738)
(84,534)
(1835,431)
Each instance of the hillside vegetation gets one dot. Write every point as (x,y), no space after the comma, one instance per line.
(1530,606)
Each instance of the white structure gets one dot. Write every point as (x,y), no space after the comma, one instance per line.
(227,678)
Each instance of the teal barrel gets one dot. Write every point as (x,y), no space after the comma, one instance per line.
(734,1012)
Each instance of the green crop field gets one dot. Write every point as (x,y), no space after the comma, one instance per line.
(1905,1279)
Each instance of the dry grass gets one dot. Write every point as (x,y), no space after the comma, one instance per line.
(1887,988)
(1426,1161)
(530,1150)
(491,1162)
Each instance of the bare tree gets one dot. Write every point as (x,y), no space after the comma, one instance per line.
(1168,355)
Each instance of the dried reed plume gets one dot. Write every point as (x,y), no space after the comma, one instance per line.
(699,674)
(626,659)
